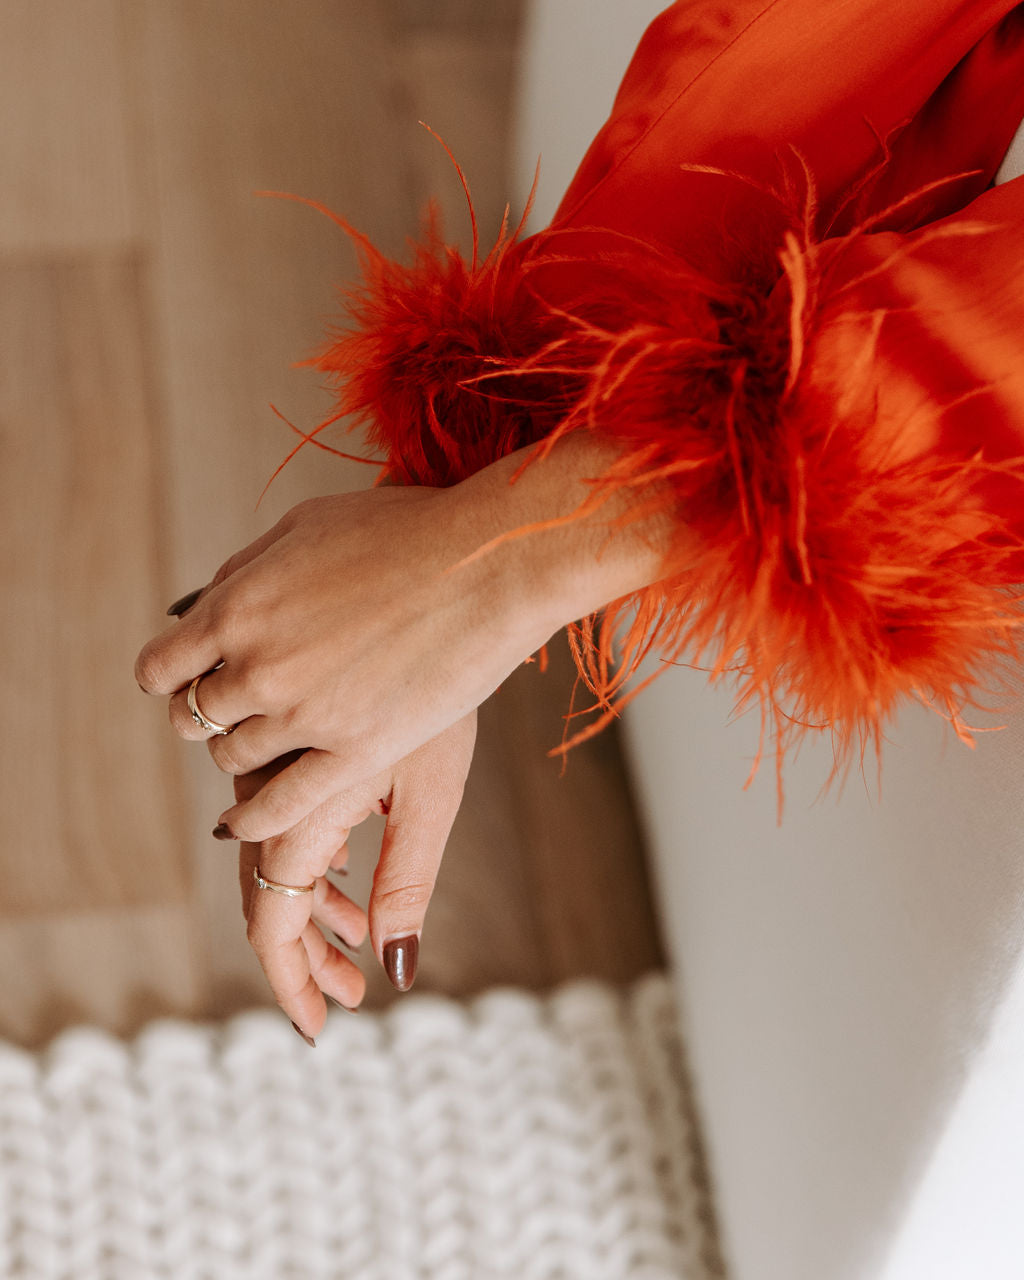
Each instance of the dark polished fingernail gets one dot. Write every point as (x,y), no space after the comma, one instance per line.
(308,1039)
(400,956)
(347,1008)
(223,832)
(184,604)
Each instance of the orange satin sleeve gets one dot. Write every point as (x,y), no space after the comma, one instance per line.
(738,86)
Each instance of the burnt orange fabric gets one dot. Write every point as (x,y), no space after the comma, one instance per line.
(781,283)
(738,85)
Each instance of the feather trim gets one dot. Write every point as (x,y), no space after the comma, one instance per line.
(434,360)
(840,570)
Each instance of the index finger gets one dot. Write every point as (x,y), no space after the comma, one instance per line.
(171,659)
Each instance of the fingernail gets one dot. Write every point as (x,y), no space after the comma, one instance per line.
(184,604)
(400,956)
(308,1039)
(223,832)
(347,1008)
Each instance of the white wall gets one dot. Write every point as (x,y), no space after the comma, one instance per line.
(852,982)
(575,52)
(841,978)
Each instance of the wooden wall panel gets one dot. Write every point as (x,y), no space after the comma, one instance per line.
(90,793)
(64,137)
(117,968)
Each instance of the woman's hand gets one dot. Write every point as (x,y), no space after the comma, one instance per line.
(361,626)
(345,633)
(420,798)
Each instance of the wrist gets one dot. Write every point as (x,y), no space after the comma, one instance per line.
(567,566)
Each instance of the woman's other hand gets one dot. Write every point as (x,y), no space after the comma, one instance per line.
(420,798)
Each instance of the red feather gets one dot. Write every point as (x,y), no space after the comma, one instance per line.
(433,364)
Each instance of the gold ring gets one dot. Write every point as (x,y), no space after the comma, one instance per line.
(204,722)
(289,890)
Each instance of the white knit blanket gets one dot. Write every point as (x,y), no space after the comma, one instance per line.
(534,1138)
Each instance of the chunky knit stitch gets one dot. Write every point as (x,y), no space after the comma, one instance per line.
(516,1136)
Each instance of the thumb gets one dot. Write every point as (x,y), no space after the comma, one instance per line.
(425,798)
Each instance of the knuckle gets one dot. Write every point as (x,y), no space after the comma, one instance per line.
(149,672)
(259,680)
(247,829)
(302,511)
(409,897)
(258,821)
(277,809)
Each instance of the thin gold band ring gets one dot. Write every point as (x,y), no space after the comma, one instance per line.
(289,890)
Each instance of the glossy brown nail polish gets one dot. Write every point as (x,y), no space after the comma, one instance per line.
(308,1039)
(184,604)
(222,832)
(400,956)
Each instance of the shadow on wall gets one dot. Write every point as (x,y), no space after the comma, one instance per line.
(840,973)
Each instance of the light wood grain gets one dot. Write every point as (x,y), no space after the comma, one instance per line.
(64,140)
(151,307)
(90,794)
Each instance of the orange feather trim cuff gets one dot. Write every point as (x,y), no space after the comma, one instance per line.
(841,440)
